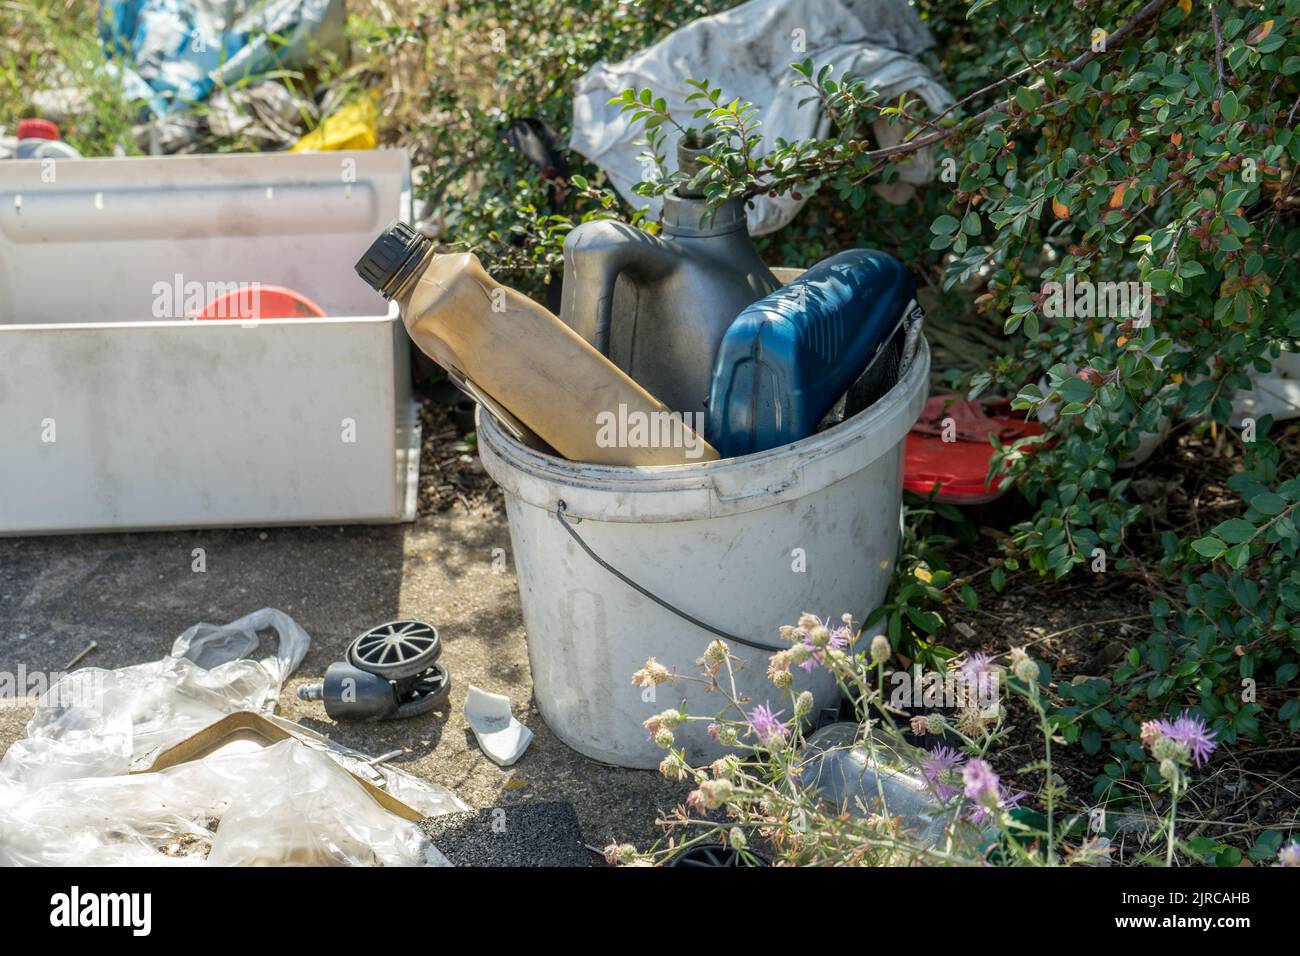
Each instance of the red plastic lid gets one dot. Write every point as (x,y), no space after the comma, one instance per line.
(262,302)
(37,129)
(959,467)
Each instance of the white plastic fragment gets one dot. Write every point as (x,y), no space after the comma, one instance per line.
(502,738)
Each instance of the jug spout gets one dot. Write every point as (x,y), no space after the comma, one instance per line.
(688,218)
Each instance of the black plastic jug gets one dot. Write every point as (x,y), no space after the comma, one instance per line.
(658,306)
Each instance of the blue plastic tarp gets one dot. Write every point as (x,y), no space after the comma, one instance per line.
(174,52)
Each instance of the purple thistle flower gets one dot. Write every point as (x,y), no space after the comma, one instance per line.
(1006,800)
(1190,731)
(977,675)
(839,639)
(767,727)
(938,769)
(981,783)
(1289,855)
(977,664)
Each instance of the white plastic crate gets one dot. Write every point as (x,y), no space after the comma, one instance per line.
(112,418)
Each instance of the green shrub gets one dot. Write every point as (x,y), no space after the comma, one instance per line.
(1096,145)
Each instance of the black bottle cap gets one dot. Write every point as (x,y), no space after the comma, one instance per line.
(390,257)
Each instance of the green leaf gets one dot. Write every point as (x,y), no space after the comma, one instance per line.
(1268,503)
(1234,530)
(944,225)
(926,621)
(1209,546)
(1232,199)
(1238,556)
(1228,856)
(1266,847)
(1028,98)
(1228,105)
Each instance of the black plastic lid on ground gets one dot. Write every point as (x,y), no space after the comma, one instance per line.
(395,250)
(715,854)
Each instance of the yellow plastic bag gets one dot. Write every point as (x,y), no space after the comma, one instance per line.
(355,126)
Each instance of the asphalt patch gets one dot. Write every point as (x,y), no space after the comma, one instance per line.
(527,834)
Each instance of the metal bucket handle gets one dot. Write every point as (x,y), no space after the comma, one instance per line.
(666,605)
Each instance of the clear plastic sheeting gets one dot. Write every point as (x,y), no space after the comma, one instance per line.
(865,776)
(211,645)
(96,722)
(281,805)
(68,794)
(421,796)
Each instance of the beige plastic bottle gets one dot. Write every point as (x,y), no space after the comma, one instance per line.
(522,363)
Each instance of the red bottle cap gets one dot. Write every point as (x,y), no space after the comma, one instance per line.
(37,129)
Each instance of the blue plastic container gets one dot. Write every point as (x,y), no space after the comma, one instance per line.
(787,359)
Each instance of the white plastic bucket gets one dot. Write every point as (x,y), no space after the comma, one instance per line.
(745,544)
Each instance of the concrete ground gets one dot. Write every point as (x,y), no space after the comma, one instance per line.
(133,593)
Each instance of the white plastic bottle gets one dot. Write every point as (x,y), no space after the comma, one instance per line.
(39,139)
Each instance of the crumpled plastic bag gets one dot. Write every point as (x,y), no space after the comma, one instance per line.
(68,796)
(181,49)
(212,646)
(266,111)
(1275,393)
(748,51)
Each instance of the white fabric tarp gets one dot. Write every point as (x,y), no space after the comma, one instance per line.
(748,51)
